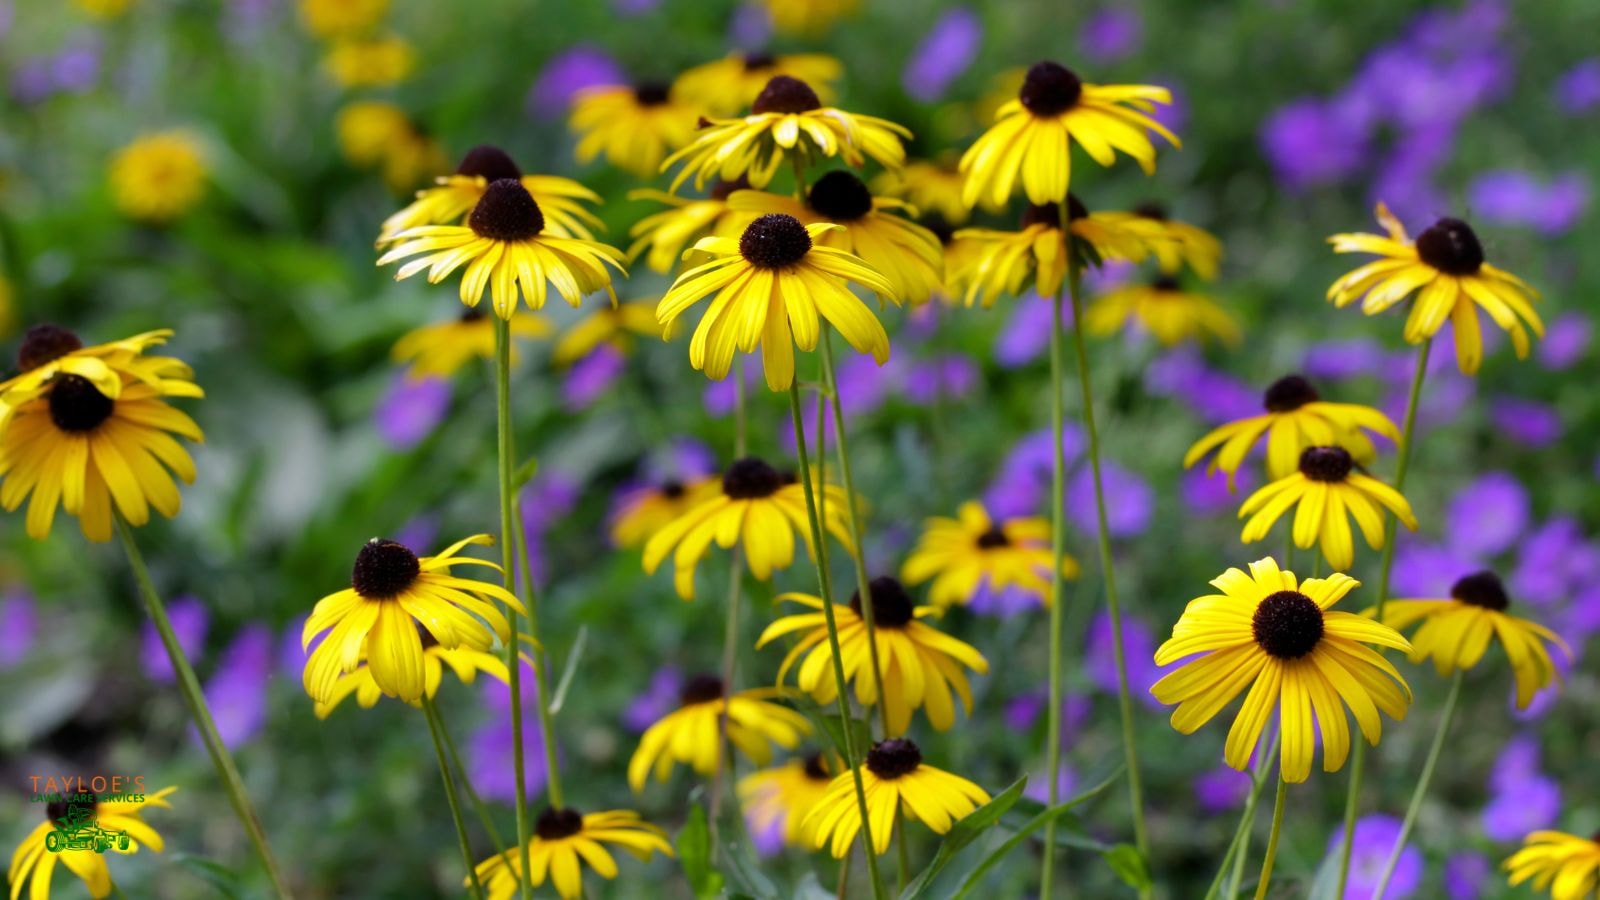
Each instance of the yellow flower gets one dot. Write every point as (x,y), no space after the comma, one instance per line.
(728,85)
(1456,632)
(411,159)
(692,734)
(1282,640)
(90,430)
(563,837)
(391,592)
(453,197)
(368,129)
(807,17)
(756,508)
(104,9)
(334,18)
(464,661)
(770,286)
(439,349)
(787,118)
(930,187)
(1325,487)
(1032,135)
(645,511)
(370,61)
(613,326)
(908,255)
(1565,865)
(994,566)
(506,251)
(1445,269)
(1188,244)
(666,233)
(897,782)
(635,127)
(8,312)
(920,663)
(1163,308)
(1296,418)
(158,177)
(124,831)
(782,796)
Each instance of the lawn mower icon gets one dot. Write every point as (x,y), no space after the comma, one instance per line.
(77,830)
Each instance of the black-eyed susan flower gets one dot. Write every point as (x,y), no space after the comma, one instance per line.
(451,200)
(89,430)
(564,840)
(666,233)
(1565,865)
(336,18)
(692,734)
(1189,245)
(777,800)
(1456,631)
(121,824)
(787,118)
(1165,309)
(921,665)
(931,187)
(506,251)
(1281,639)
(613,326)
(633,126)
(1445,269)
(159,177)
(997,567)
(896,782)
(1322,491)
(465,662)
(1032,136)
(807,17)
(757,508)
(728,85)
(876,229)
(440,349)
(770,287)
(392,591)
(371,61)
(644,511)
(1296,418)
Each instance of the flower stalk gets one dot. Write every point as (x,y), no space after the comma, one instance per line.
(1445,720)
(435,727)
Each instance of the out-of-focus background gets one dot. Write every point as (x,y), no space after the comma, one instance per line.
(1295,118)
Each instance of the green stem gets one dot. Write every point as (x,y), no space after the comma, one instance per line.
(1445,718)
(200,712)
(541,671)
(825,586)
(730,641)
(1058,548)
(505,448)
(1239,847)
(844,876)
(459,770)
(1272,839)
(434,728)
(1402,464)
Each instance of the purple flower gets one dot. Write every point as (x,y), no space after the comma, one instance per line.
(660,698)
(1208,494)
(1221,789)
(1130,501)
(1487,516)
(719,396)
(863,387)
(1110,35)
(945,52)
(1511,197)
(591,377)
(768,838)
(955,373)
(490,757)
(1027,709)
(1038,788)
(1172,116)
(1517,762)
(1566,340)
(1578,89)
(1310,143)
(1405,177)
(1544,573)
(189,621)
(1138,653)
(18,625)
(1026,334)
(1447,391)
(567,73)
(1527,422)
(1214,396)
(1339,360)
(683,459)
(419,534)
(1024,480)
(1007,601)
(1427,571)
(291,658)
(1466,874)
(1530,804)
(237,691)
(411,409)
(1371,845)
(749,28)
(547,499)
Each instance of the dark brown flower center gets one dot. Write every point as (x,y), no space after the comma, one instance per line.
(775,241)
(1451,246)
(488,162)
(784,94)
(45,343)
(673,489)
(894,758)
(755,62)
(1151,209)
(750,479)
(383,569)
(1326,463)
(77,405)
(700,689)
(1050,89)
(891,605)
(941,229)
(1049,214)
(506,212)
(840,196)
(555,824)
(72,808)
(994,537)
(1289,393)
(1481,589)
(650,93)
(817,768)
(722,188)
(1166,284)
(471,314)
(1287,624)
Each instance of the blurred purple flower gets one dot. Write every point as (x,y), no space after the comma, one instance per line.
(1215,397)
(1447,395)
(768,839)
(567,73)
(1566,340)
(1024,480)
(74,69)
(490,757)
(1529,423)
(1466,874)
(1038,788)
(1221,789)
(1208,494)
(1578,89)
(1027,710)
(682,459)
(1340,360)
(1138,652)
(1405,177)
(589,378)
(1175,115)
(547,499)
(237,691)
(1370,848)
(419,534)
(291,658)
(1110,34)
(189,622)
(1517,762)
(411,409)
(1130,501)
(956,373)
(19,624)
(1545,572)
(1530,804)
(946,51)
(719,396)
(1007,601)
(660,698)
(1310,143)
(1488,515)
(1511,197)
(1427,571)
(1026,334)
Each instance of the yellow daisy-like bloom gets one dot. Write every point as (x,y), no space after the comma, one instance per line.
(104,9)
(90,430)
(564,837)
(643,512)
(370,61)
(782,796)
(451,201)
(999,262)
(158,177)
(411,160)
(666,233)
(692,734)
(908,255)
(995,566)
(931,187)
(733,82)
(334,18)
(614,326)
(465,662)
(1445,269)
(1325,487)
(1163,308)
(391,592)
(1565,865)
(1283,641)
(756,508)
(368,129)
(1032,135)
(1296,418)
(771,285)
(439,349)
(1456,632)
(633,126)
(118,826)
(786,118)
(896,782)
(807,17)
(1188,245)
(920,663)
(506,251)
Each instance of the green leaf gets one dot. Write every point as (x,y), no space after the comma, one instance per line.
(221,878)
(994,857)
(1074,834)
(1130,866)
(694,850)
(965,832)
(524,473)
(833,726)
(571,669)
